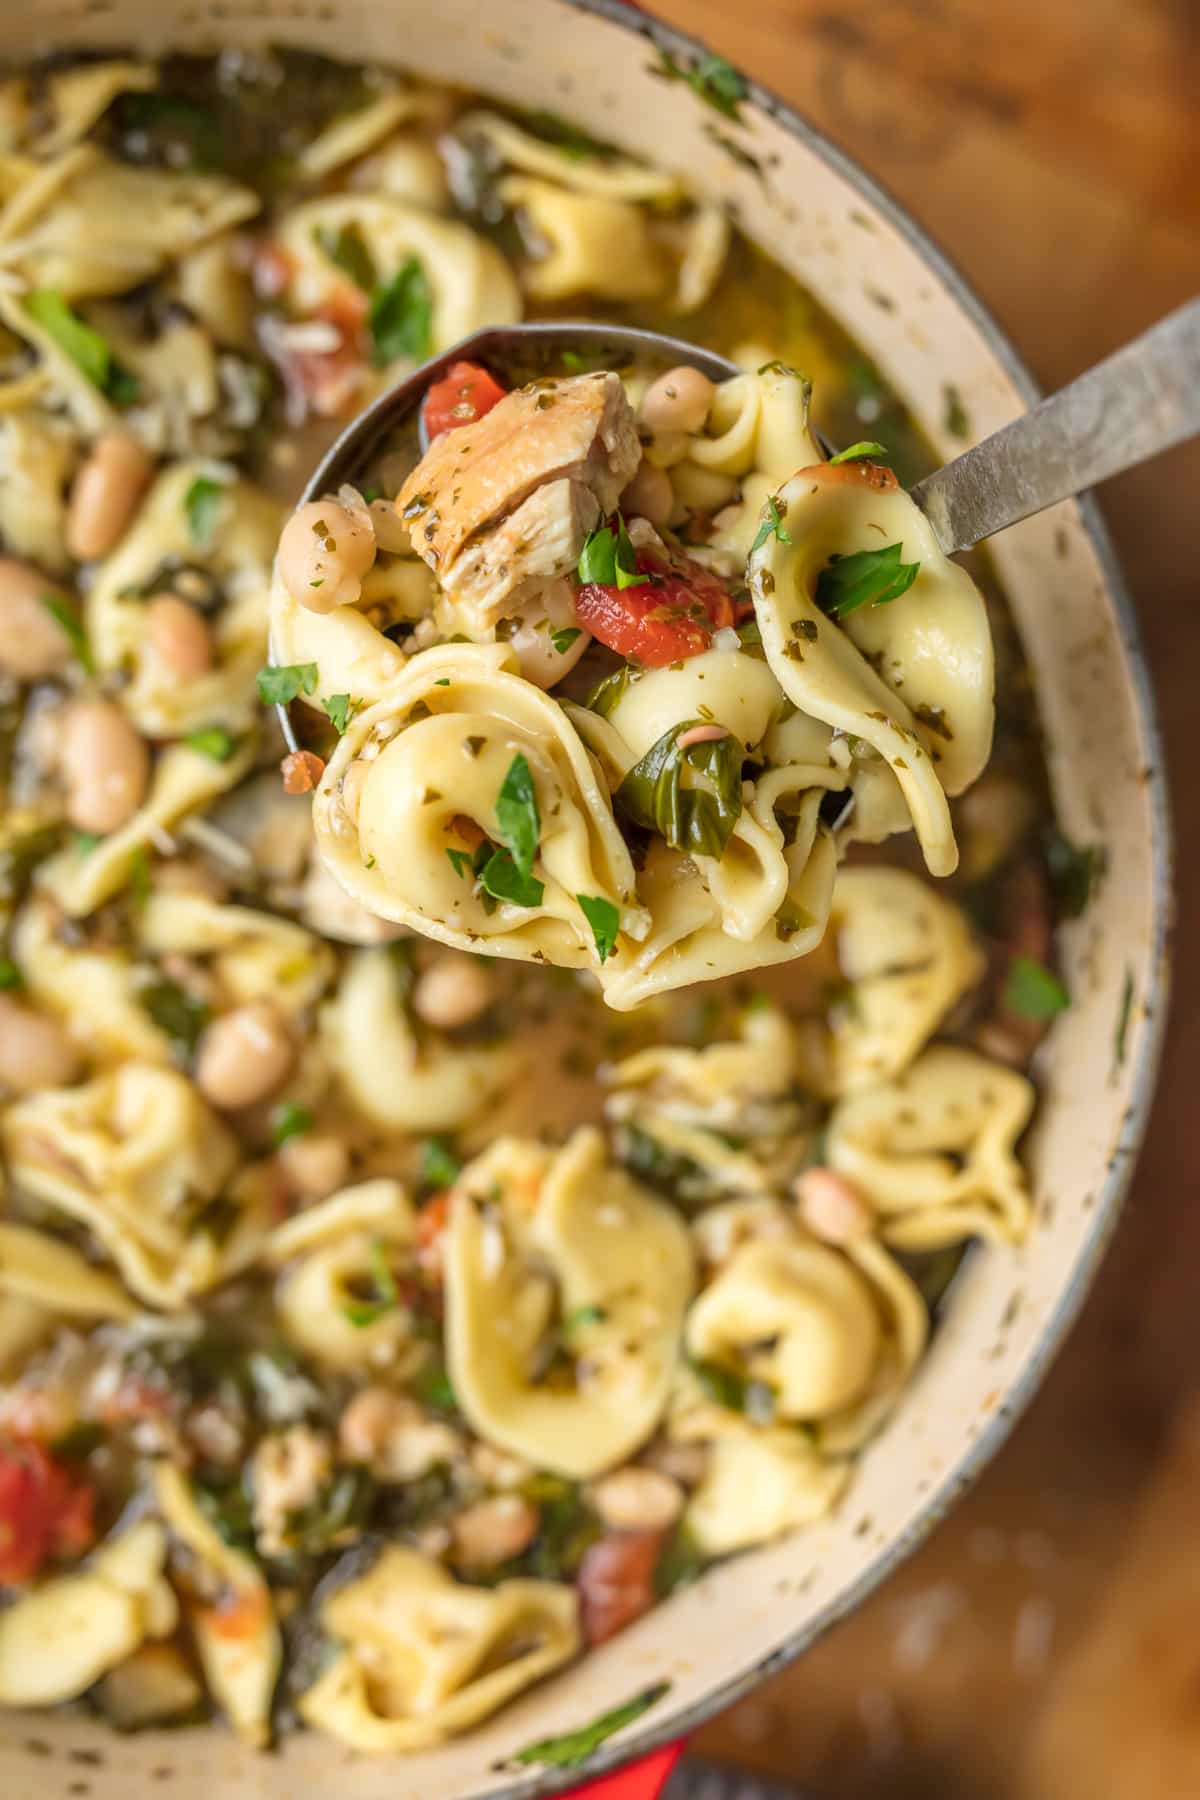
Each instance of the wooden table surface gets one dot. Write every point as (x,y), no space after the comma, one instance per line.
(1045,1644)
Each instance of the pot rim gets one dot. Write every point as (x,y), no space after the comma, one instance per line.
(639,23)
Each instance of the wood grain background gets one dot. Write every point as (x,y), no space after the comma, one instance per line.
(1045,1645)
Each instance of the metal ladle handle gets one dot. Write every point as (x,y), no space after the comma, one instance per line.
(1140,401)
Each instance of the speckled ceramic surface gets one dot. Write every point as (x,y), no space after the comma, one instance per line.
(889,288)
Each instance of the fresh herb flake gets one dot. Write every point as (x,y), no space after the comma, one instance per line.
(180,1017)
(461,862)
(282,683)
(386,1295)
(10,975)
(347,249)
(1075,872)
(87,348)
(855,452)
(562,640)
(574,1747)
(501,878)
(290,1120)
(400,319)
(65,615)
(202,504)
(608,558)
(517,814)
(865,578)
(214,741)
(1032,991)
(605,921)
(440,1168)
(339,709)
(716,81)
(661,793)
(772,526)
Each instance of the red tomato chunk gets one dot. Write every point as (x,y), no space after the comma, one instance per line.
(616,1582)
(45,1512)
(463,395)
(663,620)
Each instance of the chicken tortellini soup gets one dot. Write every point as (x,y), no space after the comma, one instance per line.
(458,1191)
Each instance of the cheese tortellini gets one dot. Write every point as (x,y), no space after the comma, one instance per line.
(537,1236)
(421,1657)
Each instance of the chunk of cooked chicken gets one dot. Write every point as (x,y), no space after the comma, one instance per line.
(501,506)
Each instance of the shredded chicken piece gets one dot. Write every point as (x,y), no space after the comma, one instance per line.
(499,507)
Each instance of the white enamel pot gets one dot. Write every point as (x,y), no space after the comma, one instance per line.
(821,217)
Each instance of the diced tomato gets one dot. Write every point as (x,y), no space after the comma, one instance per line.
(616,1582)
(664,620)
(45,1512)
(464,394)
(301,772)
(238,1615)
(432,1221)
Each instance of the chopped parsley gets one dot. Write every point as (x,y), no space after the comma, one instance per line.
(854,452)
(400,319)
(339,709)
(501,878)
(290,1120)
(772,526)
(279,684)
(562,640)
(865,578)
(212,740)
(605,921)
(65,615)
(608,558)
(202,503)
(517,814)
(574,1747)
(440,1168)
(87,348)
(1032,991)
(461,861)
(716,81)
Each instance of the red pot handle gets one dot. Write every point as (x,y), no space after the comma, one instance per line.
(641,1781)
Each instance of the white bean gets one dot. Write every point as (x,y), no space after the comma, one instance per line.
(105,765)
(35,1050)
(637,1500)
(243,1056)
(831,1208)
(324,553)
(493,1531)
(678,401)
(392,1436)
(649,495)
(105,494)
(32,642)
(315,1164)
(453,991)
(178,637)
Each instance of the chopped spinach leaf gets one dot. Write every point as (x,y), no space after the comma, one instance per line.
(339,709)
(692,798)
(202,504)
(290,1120)
(716,81)
(608,558)
(772,526)
(86,347)
(10,974)
(1075,871)
(574,1747)
(400,319)
(347,248)
(865,578)
(565,137)
(214,741)
(180,1017)
(337,1516)
(66,616)
(562,640)
(1032,991)
(605,921)
(440,1168)
(606,694)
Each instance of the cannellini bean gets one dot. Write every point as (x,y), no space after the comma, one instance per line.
(178,637)
(831,1208)
(243,1056)
(326,549)
(392,1436)
(35,1050)
(678,401)
(315,1163)
(105,765)
(105,494)
(290,1469)
(494,1530)
(32,642)
(453,991)
(497,1469)
(650,495)
(391,532)
(637,1500)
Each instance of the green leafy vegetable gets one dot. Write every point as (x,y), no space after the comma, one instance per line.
(692,798)
(1075,872)
(339,709)
(605,921)
(10,975)
(608,558)
(574,1747)
(853,452)
(681,1563)
(400,319)
(384,1295)
(573,362)
(347,248)
(606,694)
(202,504)
(716,81)
(562,640)
(1123,1017)
(176,1014)
(727,1388)
(564,136)
(867,578)
(461,861)
(772,526)
(71,623)
(87,841)
(501,878)
(582,1317)
(277,686)
(87,349)
(433,1388)
(337,1516)
(212,740)
(290,1120)
(1032,991)
(517,814)
(440,1168)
